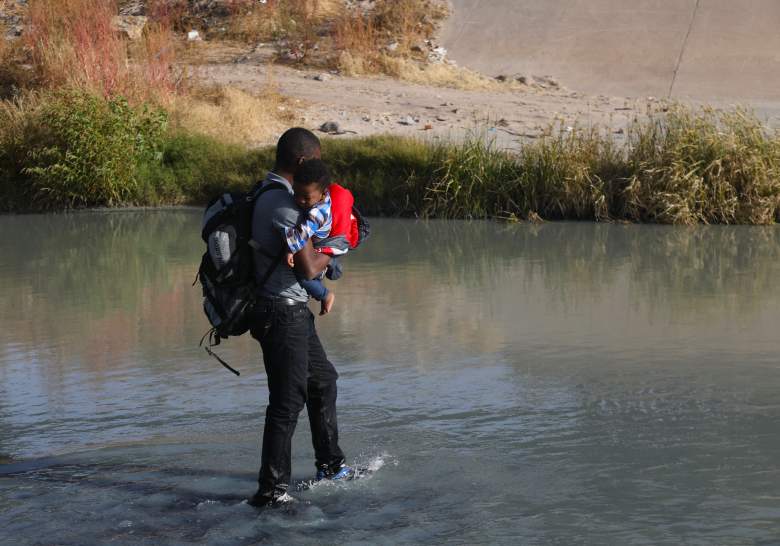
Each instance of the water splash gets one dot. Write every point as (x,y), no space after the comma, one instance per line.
(365,469)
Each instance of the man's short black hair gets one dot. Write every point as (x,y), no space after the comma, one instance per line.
(313,171)
(295,145)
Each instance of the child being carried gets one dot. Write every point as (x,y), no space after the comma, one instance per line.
(329,224)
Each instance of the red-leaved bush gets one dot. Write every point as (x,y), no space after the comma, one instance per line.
(75,43)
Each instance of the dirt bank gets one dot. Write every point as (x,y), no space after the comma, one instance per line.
(379,105)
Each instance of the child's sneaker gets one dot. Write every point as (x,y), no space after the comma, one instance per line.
(324,472)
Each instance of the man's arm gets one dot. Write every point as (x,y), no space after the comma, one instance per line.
(317,224)
(309,263)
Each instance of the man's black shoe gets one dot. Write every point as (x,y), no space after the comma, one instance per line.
(258,501)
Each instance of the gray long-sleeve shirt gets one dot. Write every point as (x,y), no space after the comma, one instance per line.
(275,211)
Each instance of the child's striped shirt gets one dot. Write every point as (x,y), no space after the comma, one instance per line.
(317,224)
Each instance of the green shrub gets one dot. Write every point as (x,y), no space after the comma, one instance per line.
(72,149)
(682,167)
(194,168)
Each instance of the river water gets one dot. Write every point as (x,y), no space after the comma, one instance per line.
(555,384)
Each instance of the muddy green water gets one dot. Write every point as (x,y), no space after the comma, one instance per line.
(556,384)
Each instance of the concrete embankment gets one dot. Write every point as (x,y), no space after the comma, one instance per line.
(707,50)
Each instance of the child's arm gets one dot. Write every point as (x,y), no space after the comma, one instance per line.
(317,224)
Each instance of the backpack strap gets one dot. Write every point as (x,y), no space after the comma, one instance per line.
(270,270)
(260,190)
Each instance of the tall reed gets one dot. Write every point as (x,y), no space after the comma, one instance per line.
(703,167)
(680,167)
(73,43)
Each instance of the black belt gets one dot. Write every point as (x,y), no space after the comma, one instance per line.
(287,302)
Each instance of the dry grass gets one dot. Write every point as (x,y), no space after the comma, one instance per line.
(11,7)
(440,74)
(73,43)
(391,39)
(406,23)
(704,166)
(209,52)
(293,21)
(233,116)
(12,75)
(169,13)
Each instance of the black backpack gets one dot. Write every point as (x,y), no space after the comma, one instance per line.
(364,228)
(227,272)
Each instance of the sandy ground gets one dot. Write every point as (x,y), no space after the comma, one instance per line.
(379,105)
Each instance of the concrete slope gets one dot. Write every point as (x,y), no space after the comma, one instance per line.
(699,49)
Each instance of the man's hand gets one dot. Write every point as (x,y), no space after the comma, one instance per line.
(309,263)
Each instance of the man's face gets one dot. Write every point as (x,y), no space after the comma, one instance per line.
(308,195)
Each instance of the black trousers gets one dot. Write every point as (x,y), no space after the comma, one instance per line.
(299,373)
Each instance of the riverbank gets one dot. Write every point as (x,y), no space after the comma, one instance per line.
(680,166)
(148,130)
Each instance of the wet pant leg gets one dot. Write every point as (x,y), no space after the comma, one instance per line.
(321,404)
(284,334)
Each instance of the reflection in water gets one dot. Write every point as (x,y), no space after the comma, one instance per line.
(481,287)
(608,381)
(85,291)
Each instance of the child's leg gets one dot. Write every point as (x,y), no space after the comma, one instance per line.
(315,288)
(334,270)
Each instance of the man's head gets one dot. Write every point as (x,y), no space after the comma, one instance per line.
(311,182)
(295,146)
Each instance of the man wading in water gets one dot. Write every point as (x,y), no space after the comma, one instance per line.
(299,373)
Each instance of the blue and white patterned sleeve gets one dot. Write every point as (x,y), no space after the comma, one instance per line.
(317,224)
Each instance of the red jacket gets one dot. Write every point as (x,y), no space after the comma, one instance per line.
(344,222)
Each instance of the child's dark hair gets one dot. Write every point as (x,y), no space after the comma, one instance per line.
(313,171)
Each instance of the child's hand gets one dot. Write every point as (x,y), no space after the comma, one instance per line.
(290,259)
(327,304)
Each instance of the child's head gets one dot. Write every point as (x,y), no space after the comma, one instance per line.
(311,182)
